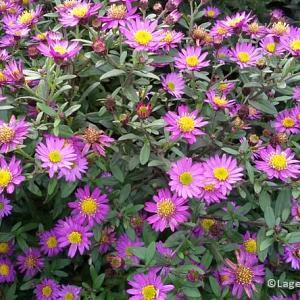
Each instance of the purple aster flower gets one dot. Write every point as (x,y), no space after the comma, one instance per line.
(222,54)
(292,255)
(225,87)
(7,271)
(118,15)
(277,14)
(245,55)
(255,30)
(49,243)
(169,211)
(184,124)
(173,17)
(164,251)
(218,101)
(296,93)
(4,55)
(170,39)
(220,31)
(60,50)
(295,210)
(286,122)
(249,244)
(10,174)
(124,245)
(242,276)
(75,235)
(6,248)
(30,262)
(14,71)
(223,171)
(92,207)
(80,11)
(12,134)
(211,12)
(108,237)
(191,59)
(238,20)
(148,286)
(47,289)
(29,17)
(55,154)
(270,46)
(7,41)
(279,29)
(69,292)
(141,34)
(185,178)
(278,163)
(291,42)
(173,84)
(5,207)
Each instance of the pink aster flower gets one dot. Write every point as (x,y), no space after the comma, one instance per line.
(10,174)
(238,20)
(191,59)
(173,84)
(220,31)
(296,93)
(124,245)
(222,54)
(185,178)
(173,17)
(254,30)
(30,262)
(292,255)
(108,237)
(74,235)
(69,292)
(218,101)
(59,50)
(278,163)
(49,243)
(249,245)
(92,207)
(55,154)
(225,87)
(286,122)
(211,12)
(169,211)
(291,42)
(81,11)
(12,134)
(170,39)
(14,71)
(295,210)
(148,286)
(245,55)
(4,55)
(47,289)
(141,35)
(279,29)
(118,14)
(270,46)
(243,275)
(7,271)
(184,124)
(223,171)
(5,207)
(29,17)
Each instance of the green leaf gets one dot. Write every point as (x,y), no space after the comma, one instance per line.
(293,237)
(51,186)
(215,286)
(139,252)
(269,216)
(250,171)
(230,151)
(112,73)
(150,252)
(265,244)
(145,153)
(264,200)
(99,281)
(46,109)
(125,192)
(191,292)
(72,109)
(117,172)
(283,201)
(264,106)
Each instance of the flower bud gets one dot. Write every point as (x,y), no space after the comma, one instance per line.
(32,51)
(157,8)
(99,46)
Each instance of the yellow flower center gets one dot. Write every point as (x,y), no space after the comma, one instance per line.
(168,38)
(222,30)
(250,245)
(220,101)
(30,261)
(209,187)
(25,18)
(207,223)
(234,22)
(128,251)
(165,208)
(51,242)
(75,237)
(143,37)
(280,28)
(171,86)
(223,86)
(89,206)
(192,61)
(5,177)
(221,173)
(69,296)
(60,49)
(288,122)
(295,45)
(47,291)
(54,156)
(243,275)
(271,47)
(243,57)
(224,278)
(2,76)
(79,11)
(278,162)
(186,124)
(210,13)
(143,110)
(4,269)
(6,134)
(117,12)
(253,27)
(3,246)
(186,178)
(149,292)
